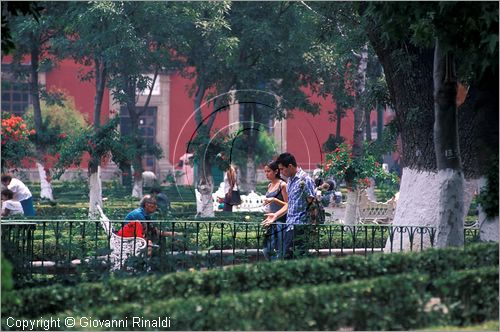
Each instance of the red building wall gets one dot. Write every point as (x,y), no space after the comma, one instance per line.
(65,77)
(307,133)
(182,121)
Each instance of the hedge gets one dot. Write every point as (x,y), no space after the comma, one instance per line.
(244,278)
(398,302)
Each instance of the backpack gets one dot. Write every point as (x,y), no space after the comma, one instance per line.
(315,211)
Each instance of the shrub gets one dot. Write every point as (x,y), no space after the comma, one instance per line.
(244,278)
(396,302)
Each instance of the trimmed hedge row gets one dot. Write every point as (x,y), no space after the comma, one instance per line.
(244,278)
(398,302)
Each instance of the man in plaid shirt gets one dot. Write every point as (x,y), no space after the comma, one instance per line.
(300,190)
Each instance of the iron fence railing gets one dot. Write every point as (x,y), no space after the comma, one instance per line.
(73,246)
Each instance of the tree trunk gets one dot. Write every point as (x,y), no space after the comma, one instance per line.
(380,122)
(46,186)
(359,83)
(370,191)
(137,187)
(351,214)
(251,175)
(95,186)
(424,187)
(95,193)
(450,227)
(134,122)
(488,227)
(338,123)
(205,187)
(410,83)
(249,171)
(368,125)
(35,88)
(408,71)
(137,159)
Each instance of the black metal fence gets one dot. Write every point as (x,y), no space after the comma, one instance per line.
(75,246)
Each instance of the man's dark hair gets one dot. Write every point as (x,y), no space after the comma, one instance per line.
(8,193)
(286,159)
(155,190)
(6,178)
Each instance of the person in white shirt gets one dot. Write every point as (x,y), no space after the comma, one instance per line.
(9,205)
(21,193)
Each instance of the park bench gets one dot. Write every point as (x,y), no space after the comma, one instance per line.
(252,202)
(368,211)
(375,212)
(121,247)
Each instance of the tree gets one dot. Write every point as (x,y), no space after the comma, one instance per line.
(60,120)
(404,44)
(31,36)
(258,52)
(450,219)
(10,10)
(90,38)
(144,49)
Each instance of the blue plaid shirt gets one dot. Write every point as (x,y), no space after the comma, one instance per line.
(297,198)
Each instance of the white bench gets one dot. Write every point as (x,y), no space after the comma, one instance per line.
(375,212)
(252,202)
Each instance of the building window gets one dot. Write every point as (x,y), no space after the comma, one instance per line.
(147,130)
(15,97)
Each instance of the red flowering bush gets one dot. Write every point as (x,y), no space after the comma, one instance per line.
(16,143)
(357,172)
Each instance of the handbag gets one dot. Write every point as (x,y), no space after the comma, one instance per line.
(233,198)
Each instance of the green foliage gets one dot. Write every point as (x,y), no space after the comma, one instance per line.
(59,121)
(264,147)
(244,278)
(9,297)
(7,283)
(488,197)
(332,143)
(207,147)
(470,30)
(394,302)
(95,142)
(356,172)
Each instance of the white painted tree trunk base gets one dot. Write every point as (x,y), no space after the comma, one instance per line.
(417,206)
(95,188)
(488,228)
(46,186)
(205,208)
(137,187)
(251,175)
(351,210)
(370,191)
(450,223)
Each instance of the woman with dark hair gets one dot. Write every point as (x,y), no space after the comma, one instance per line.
(276,198)
(9,205)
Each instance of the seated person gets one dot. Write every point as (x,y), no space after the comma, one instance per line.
(9,205)
(148,231)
